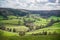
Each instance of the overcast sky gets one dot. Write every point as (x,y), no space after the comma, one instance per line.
(31,4)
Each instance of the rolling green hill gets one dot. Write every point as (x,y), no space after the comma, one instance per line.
(43,25)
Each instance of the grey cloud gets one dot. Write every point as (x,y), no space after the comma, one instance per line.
(28,5)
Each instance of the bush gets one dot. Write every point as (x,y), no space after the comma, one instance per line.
(49,33)
(54,33)
(7,29)
(21,33)
(2,27)
(44,32)
(14,30)
(10,29)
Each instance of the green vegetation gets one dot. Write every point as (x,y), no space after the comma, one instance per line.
(12,17)
(1,17)
(6,33)
(54,28)
(30,27)
(54,18)
(14,36)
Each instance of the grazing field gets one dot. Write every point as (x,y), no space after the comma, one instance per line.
(34,28)
(54,28)
(4,35)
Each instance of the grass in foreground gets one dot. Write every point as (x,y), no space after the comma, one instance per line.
(31,37)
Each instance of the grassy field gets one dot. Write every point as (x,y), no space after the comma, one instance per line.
(11,23)
(53,28)
(4,35)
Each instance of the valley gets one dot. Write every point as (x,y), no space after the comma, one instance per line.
(27,25)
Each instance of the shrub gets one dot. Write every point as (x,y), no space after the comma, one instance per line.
(10,29)
(7,29)
(44,32)
(49,33)
(21,33)
(14,30)
(2,27)
(54,33)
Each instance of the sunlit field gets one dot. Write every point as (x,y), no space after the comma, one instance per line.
(39,29)
(16,24)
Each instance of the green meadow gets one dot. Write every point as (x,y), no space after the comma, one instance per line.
(34,28)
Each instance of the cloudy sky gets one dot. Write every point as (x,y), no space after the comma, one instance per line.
(31,4)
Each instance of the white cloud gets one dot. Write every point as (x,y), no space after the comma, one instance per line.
(30,4)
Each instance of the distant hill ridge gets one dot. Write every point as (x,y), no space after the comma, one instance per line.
(23,12)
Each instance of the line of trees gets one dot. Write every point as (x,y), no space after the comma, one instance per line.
(46,33)
(32,26)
